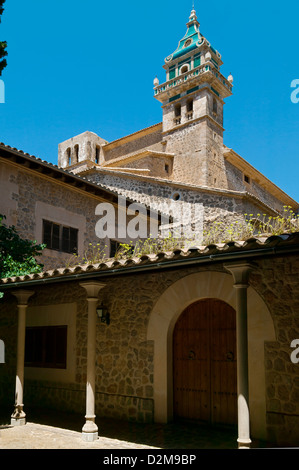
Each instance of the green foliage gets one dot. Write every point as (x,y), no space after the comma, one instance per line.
(3,53)
(252,226)
(288,222)
(94,255)
(3,44)
(1,8)
(150,246)
(17,256)
(218,232)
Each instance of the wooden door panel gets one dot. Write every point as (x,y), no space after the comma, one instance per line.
(191,373)
(223,363)
(204,359)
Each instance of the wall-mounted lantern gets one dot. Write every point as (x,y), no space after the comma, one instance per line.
(103,314)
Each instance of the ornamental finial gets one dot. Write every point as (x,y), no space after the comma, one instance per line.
(193,13)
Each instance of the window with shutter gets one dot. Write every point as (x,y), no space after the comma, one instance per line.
(46,346)
(60,238)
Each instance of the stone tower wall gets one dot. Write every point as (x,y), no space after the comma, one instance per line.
(197,143)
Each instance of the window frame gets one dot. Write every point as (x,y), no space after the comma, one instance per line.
(37,343)
(59,238)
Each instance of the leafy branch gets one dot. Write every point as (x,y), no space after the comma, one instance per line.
(3,44)
(17,255)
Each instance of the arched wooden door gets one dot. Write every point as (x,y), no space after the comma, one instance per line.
(204,361)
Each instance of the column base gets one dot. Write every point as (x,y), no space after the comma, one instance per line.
(18,418)
(90,429)
(244,443)
(18,421)
(89,436)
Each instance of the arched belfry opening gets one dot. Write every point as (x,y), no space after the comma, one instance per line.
(205,363)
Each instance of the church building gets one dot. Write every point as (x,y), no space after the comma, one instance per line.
(179,168)
(183,158)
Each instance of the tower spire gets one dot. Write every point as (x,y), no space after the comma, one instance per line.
(193,16)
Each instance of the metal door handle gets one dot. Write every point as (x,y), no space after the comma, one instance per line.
(191,355)
(230,356)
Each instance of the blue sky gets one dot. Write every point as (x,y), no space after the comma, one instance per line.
(75,66)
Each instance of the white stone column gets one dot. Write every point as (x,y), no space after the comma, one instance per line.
(240,272)
(90,429)
(19,417)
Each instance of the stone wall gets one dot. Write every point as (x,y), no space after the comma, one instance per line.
(151,140)
(196,139)
(236,182)
(30,197)
(213,206)
(235,179)
(155,165)
(216,171)
(188,144)
(256,189)
(277,282)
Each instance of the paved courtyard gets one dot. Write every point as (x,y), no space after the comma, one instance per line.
(37,436)
(59,430)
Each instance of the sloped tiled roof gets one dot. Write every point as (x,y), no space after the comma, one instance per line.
(250,248)
(50,169)
(68,177)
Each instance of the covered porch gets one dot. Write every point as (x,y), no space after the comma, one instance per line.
(157,289)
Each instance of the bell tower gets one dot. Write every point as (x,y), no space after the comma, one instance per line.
(192,101)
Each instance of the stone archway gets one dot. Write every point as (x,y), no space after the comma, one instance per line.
(193,287)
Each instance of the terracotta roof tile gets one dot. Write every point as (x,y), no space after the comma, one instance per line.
(244,247)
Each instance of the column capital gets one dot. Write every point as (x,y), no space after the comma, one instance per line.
(92,288)
(240,272)
(23,296)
